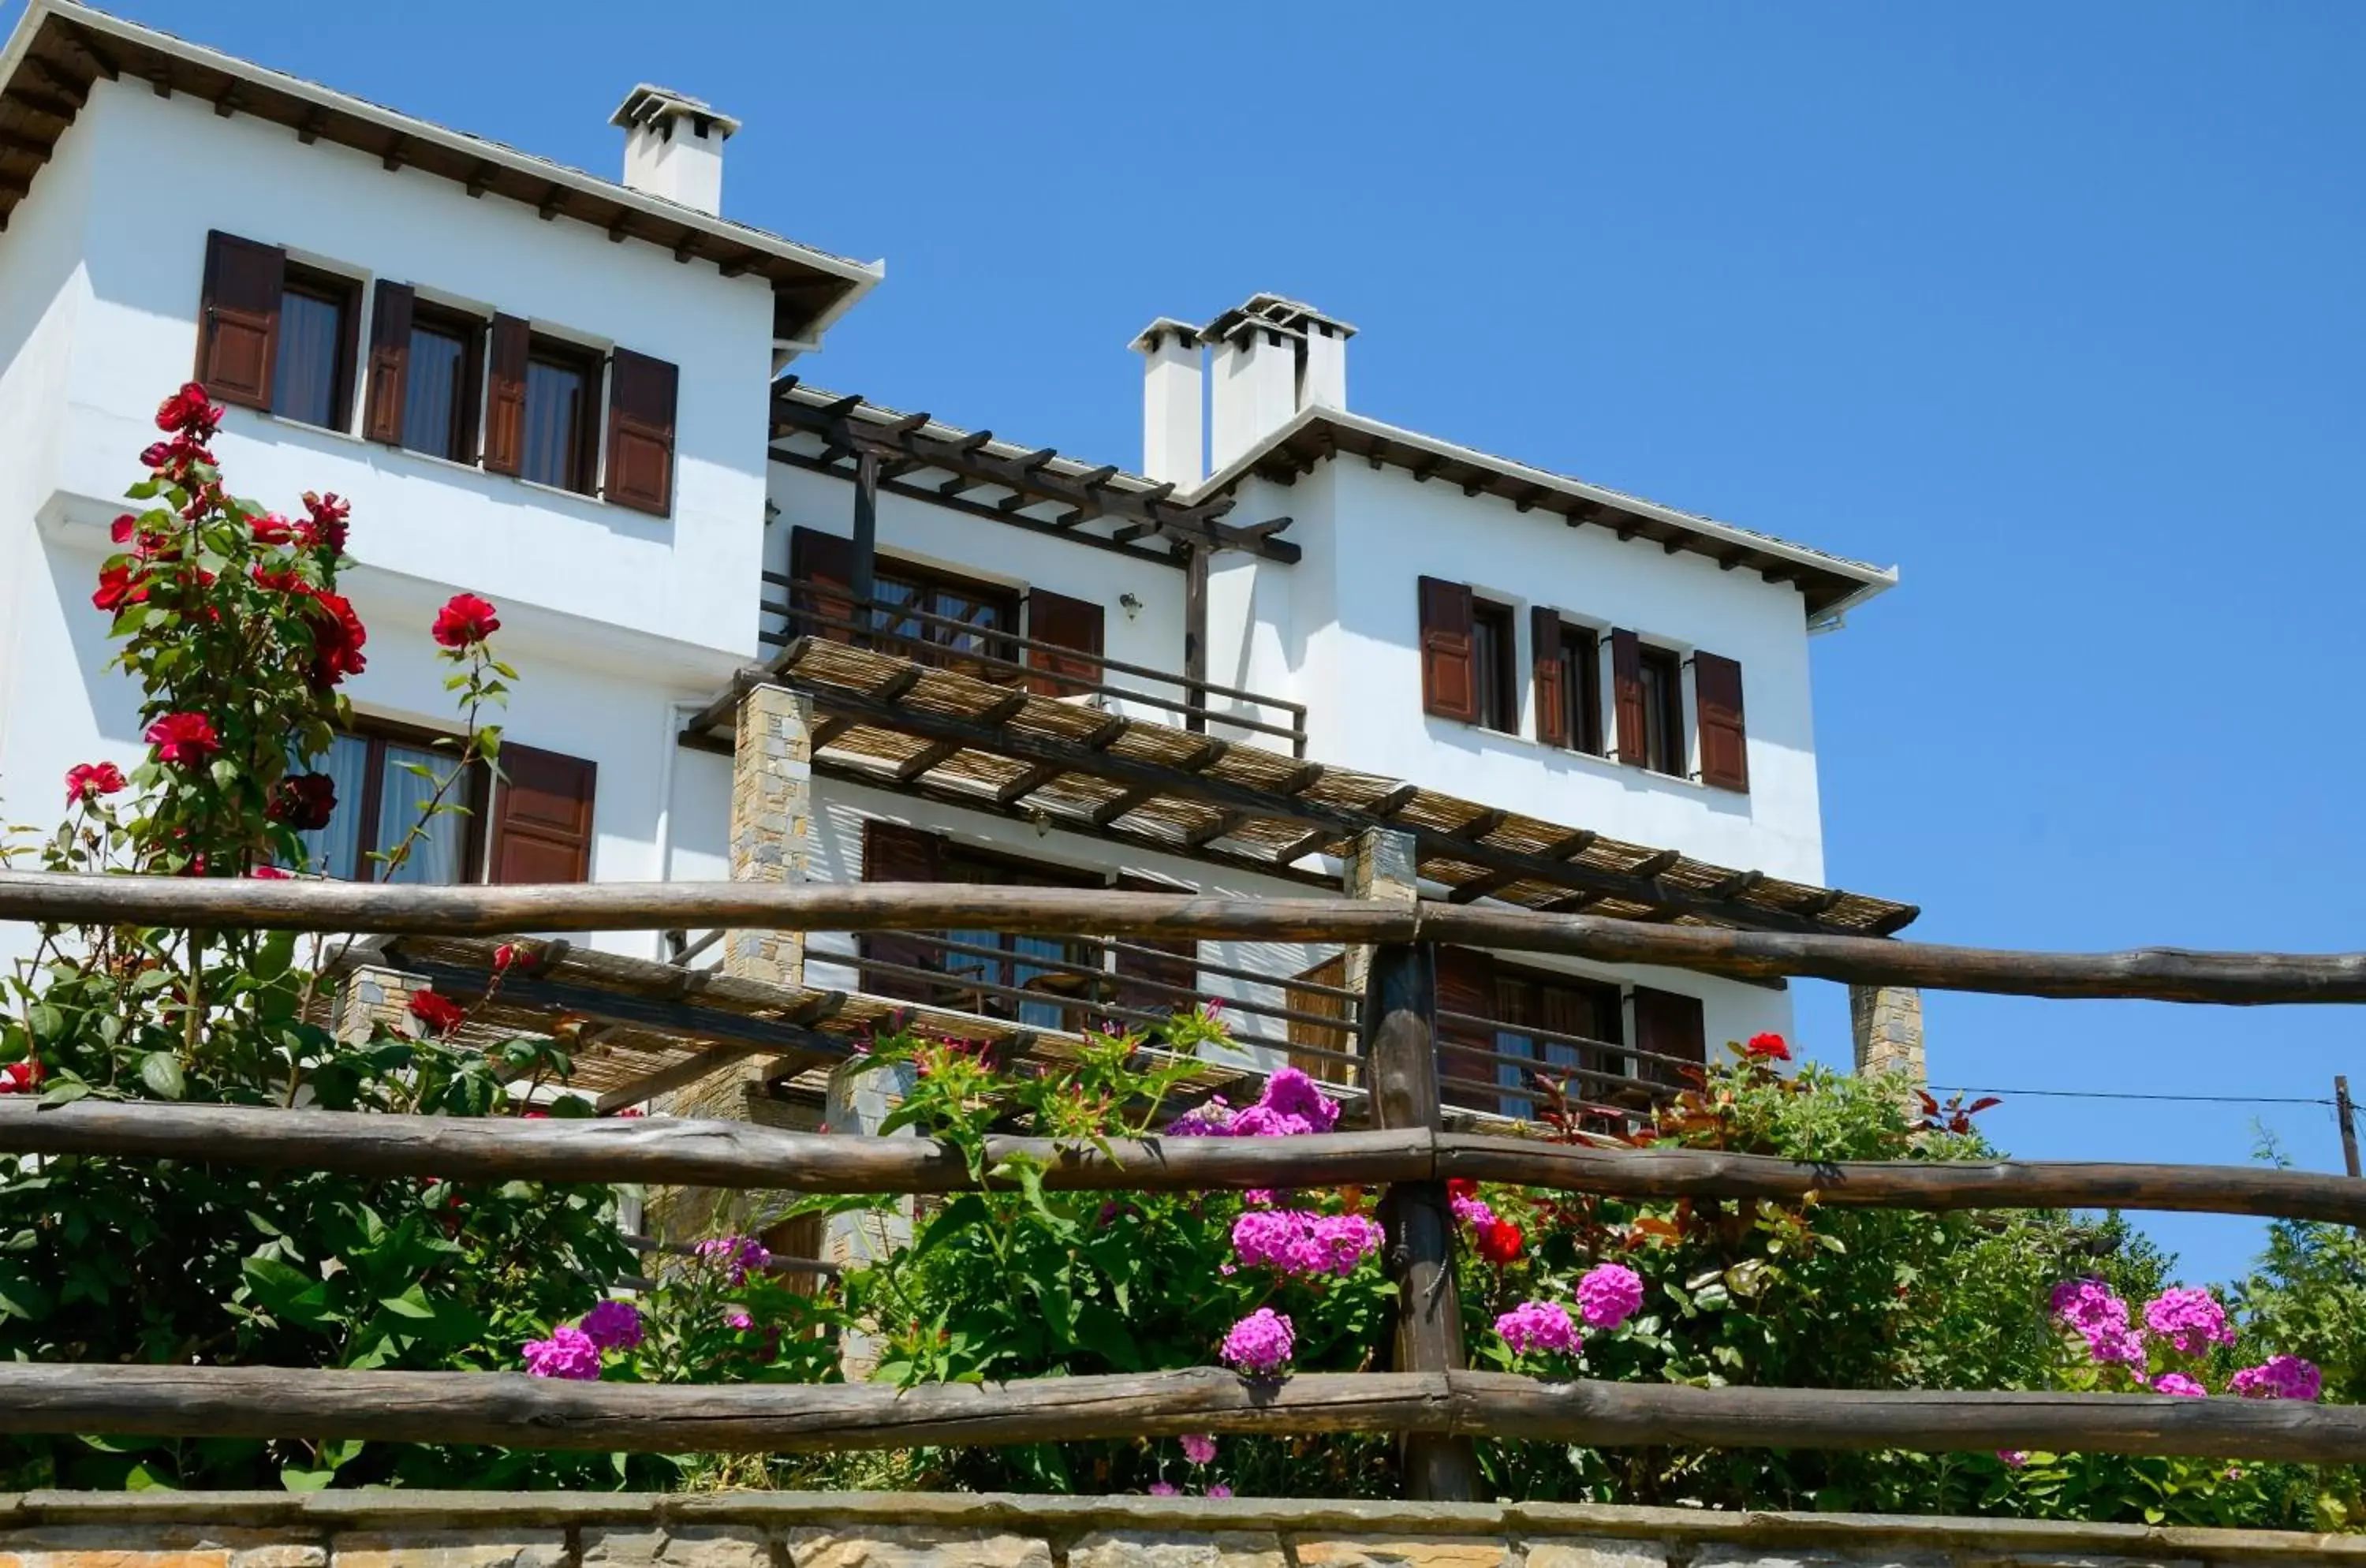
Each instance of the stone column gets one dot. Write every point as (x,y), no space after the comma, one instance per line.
(771,822)
(1885,1022)
(1380,865)
(771,817)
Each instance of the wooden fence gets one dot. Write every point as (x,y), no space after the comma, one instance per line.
(1429,1398)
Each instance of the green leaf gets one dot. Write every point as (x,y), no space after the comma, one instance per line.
(46,1020)
(161,1071)
(143,1479)
(297,1480)
(64,1091)
(411,1303)
(224,773)
(288,1291)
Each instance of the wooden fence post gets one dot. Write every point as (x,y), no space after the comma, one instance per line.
(2346,1110)
(1400,1043)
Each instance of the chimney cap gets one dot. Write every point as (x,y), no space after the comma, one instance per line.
(1148,339)
(649,104)
(1275,313)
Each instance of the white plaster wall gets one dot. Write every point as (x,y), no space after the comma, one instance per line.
(615,619)
(688,577)
(1340,632)
(1014,557)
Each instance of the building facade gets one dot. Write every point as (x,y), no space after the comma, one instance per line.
(770,630)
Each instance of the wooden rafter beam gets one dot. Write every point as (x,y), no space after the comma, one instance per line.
(1478,887)
(1324,822)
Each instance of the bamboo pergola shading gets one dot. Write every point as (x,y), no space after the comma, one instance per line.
(900,725)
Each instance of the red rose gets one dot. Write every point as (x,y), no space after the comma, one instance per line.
(21,1078)
(505,955)
(124,529)
(465,620)
(268,873)
(1500,1243)
(1767,1047)
(118,587)
(1461,1187)
(441,1015)
(184,737)
(326,525)
(303,801)
(87,781)
(337,639)
(190,412)
(271,529)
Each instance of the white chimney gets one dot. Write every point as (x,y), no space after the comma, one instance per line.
(673,146)
(1174,389)
(1273,358)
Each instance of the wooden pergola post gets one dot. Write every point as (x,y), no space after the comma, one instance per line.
(1400,1047)
(1195,637)
(860,581)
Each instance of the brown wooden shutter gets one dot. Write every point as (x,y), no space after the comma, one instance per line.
(1174,963)
(389,364)
(1071,623)
(1465,984)
(1627,692)
(821,575)
(1449,674)
(893,852)
(640,431)
(505,397)
(1670,1025)
(1552,676)
(1332,972)
(238,319)
(1725,745)
(542,816)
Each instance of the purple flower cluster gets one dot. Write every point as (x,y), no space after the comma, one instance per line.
(1260,1343)
(612,1326)
(1199,1448)
(1537,1326)
(1297,1241)
(737,1254)
(2279,1377)
(1608,1295)
(2100,1317)
(1472,1212)
(1290,1106)
(568,1353)
(2180,1385)
(2191,1320)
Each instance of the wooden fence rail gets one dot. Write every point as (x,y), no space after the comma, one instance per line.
(741,1155)
(516,1411)
(2157,974)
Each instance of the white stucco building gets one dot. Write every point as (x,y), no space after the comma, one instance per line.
(1298,647)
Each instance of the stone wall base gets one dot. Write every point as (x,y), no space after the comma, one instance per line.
(786,1529)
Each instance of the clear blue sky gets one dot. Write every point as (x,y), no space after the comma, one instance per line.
(2058,308)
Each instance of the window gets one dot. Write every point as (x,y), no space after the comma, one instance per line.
(1568,1026)
(968,959)
(1663,712)
(562,395)
(977,611)
(380,801)
(312,377)
(442,379)
(1492,656)
(1581,689)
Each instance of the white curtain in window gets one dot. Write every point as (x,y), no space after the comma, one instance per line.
(435,856)
(334,850)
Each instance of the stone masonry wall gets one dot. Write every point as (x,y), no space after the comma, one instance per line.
(754,1529)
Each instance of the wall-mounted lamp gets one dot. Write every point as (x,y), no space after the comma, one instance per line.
(1130,604)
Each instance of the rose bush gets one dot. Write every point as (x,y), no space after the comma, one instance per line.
(229,621)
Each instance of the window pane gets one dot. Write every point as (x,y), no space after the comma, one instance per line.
(431,396)
(435,856)
(304,382)
(1038,1015)
(335,849)
(555,421)
(1511,1077)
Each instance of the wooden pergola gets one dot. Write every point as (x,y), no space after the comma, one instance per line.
(900,725)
